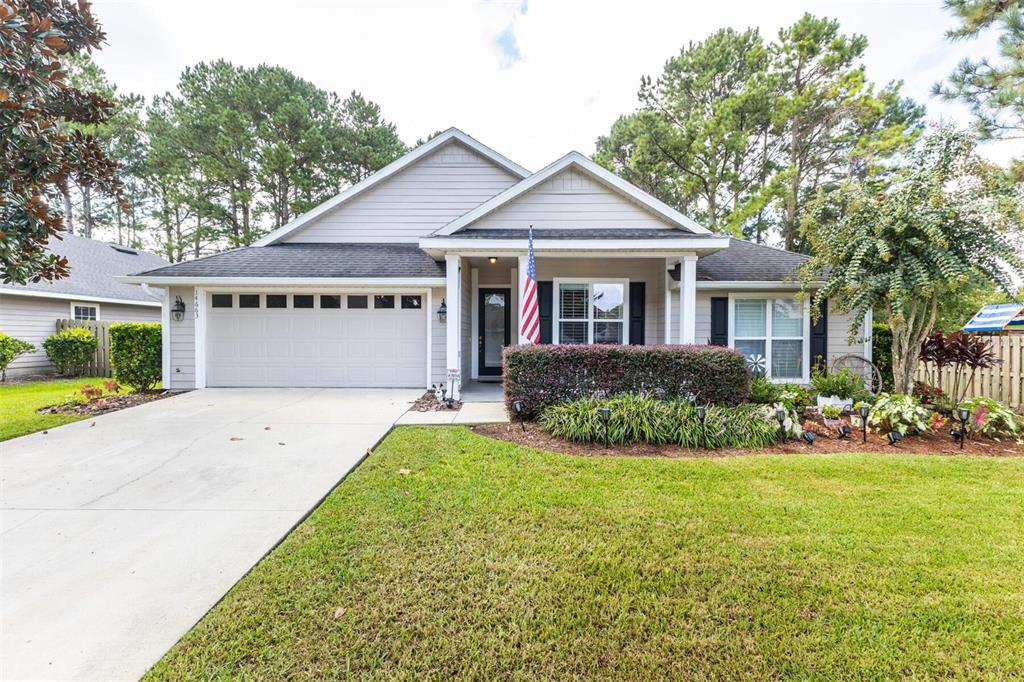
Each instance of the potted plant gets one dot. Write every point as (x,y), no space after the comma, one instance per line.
(831,413)
(836,388)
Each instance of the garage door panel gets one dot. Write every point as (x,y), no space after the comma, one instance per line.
(316,347)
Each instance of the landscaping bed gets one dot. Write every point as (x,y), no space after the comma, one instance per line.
(428,402)
(931,443)
(110,403)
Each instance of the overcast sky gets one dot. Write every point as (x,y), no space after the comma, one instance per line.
(532,78)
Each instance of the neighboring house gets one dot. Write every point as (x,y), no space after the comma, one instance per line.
(30,312)
(412,277)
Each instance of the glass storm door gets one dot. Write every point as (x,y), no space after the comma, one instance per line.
(495,329)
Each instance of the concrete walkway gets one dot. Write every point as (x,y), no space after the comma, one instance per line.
(119,533)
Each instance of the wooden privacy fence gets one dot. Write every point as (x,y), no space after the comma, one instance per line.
(1002,382)
(100,365)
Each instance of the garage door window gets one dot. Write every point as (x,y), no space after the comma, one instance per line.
(304,301)
(383,302)
(222,300)
(277,301)
(332,302)
(357,302)
(412,302)
(248,300)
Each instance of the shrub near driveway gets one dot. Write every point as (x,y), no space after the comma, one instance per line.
(136,354)
(544,375)
(70,350)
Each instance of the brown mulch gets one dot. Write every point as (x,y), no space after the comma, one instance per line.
(936,443)
(111,403)
(428,402)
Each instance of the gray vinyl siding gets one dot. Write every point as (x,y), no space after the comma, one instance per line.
(570,199)
(838,344)
(33,319)
(183,341)
(416,201)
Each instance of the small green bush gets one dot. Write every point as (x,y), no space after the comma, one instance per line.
(898,412)
(764,391)
(136,354)
(991,418)
(71,349)
(842,384)
(10,350)
(644,419)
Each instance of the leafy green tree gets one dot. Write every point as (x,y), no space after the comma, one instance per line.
(903,244)
(368,142)
(993,89)
(40,150)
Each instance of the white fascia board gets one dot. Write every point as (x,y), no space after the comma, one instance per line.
(289,282)
(389,170)
(75,297)
(586,165)
(743,285)
(661,247)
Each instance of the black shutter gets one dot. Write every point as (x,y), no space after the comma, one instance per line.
(637,312)
(719,321)
(819,339)
(545,306)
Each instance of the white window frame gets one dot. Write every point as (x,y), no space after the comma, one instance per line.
(769,298)
(590,281)
(84,304)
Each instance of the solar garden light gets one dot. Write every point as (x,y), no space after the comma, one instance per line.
(894,437)
(606,414)
(780,416)
(809,436)
(864,411)
(844,431)
(702,415)
(962,414)
(517,407)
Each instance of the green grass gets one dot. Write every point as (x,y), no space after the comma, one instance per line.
(19,402)
(493,561)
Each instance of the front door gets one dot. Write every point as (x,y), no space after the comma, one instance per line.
(495,317)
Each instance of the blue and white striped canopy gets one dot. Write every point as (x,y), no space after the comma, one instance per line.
(997,318)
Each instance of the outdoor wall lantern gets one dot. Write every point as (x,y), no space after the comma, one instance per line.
(442,312)
(178,309)
(492,260)
(864,410)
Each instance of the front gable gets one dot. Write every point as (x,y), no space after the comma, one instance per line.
(573,193)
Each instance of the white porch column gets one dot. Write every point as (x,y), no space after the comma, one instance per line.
(520,287)
(688,299)
(453,326)
(669,264)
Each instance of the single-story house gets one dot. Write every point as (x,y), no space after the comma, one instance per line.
(413,276)
(91,292)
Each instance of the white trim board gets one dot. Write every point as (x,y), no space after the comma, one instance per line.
(588,167)
(619,248)
(448,136)
(73,297)
(291,282)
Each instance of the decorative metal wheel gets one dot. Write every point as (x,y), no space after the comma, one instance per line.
(861,367)
(758,364)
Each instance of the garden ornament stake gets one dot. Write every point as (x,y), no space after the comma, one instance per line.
(702,415)
(517,407)
(780,416)
(864,410)
(606,415)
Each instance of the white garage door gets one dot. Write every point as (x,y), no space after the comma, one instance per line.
(346,340)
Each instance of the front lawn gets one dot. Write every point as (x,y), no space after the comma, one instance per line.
(447,554)
(19,402)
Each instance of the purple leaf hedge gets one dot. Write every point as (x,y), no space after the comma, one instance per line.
(544,375)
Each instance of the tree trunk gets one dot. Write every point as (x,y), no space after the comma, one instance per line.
(907,337)
(69,222)
(87,212)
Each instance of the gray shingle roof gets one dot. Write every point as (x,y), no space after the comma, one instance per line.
(576,233)
(310,260)
(93,265)
(745,261)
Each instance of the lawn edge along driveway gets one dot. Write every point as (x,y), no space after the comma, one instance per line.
(19,403)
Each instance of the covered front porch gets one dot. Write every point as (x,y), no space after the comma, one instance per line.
(616,297)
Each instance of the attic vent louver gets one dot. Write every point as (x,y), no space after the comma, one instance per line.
(124,249)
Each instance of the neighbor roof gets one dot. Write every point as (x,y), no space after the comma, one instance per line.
(303,260)
(93,266)
(745,261)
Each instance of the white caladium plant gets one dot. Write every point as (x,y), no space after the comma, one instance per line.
(898,412)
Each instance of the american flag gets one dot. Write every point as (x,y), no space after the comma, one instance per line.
(530,329)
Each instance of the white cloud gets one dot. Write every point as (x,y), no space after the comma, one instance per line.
(565,70)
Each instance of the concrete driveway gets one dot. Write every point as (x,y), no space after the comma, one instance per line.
(119,533)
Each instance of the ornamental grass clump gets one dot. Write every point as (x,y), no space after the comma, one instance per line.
(644,419)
